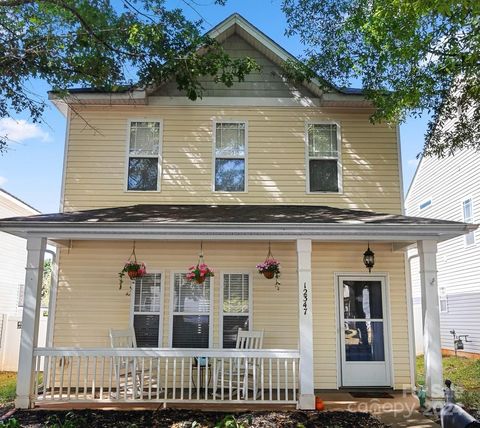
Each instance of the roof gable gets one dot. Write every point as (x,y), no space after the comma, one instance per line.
(266,82)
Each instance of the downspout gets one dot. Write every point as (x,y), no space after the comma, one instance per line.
(53,299)
(51,309)
(411,324)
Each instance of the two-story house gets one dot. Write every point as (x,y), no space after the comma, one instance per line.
(262,167)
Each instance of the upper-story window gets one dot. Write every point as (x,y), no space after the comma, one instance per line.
(144,148)
(324,169)
(425,204)
(230,156)
(468,218)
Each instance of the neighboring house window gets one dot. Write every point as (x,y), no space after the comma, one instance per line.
(236,306)
(468,218)
(191,313)
(443,300)
(147,310)
(230,156)
(425,204)
(443,304)
(21,295)
(144,156)
(324,167)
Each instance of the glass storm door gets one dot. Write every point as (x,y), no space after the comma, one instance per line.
(364,332)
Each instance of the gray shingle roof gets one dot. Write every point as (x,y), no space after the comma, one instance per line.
(246,214)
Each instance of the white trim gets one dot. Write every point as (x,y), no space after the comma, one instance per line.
(161,314)
(52,301)
(338,158)
(167,352)
(171,313)
(234,102)
(400,170)
(66,146)
(410,187)
(216,121)
(30,320)
(410,319)
(250,301)
(159,156)
(306,376)
(383,277)
(241,231)
(76,98)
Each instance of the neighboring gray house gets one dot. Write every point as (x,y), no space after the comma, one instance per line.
(13,256)
(449,189)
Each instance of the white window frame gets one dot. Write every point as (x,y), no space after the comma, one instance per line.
(172,312)
(244,157)
(159,156)
(250,301)
(338,158)
(470,220)
(162,308)
(20,295)
(442,297)
(429,203)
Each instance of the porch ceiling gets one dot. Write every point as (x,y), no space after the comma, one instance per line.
(226,221)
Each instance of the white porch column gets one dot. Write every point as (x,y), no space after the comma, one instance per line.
(304,266)
(31,311)
(427,251)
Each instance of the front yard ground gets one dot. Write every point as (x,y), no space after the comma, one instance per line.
(465,376)
(176,418)
(464,373)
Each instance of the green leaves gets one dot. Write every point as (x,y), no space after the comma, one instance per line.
(104,44)
(411,57)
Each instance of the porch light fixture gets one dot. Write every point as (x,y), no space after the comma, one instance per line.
(369,258)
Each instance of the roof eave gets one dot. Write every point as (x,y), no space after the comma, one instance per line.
(285,231)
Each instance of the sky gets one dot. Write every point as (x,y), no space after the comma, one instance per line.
(32,167)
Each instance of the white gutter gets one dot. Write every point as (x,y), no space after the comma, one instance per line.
(411,320)
(279,231)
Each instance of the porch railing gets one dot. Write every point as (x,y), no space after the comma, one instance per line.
(165,375)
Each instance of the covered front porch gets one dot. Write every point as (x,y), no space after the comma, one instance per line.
(304,324)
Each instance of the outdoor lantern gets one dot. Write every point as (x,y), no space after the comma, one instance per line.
(369,258)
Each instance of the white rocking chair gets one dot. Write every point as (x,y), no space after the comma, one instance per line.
(124,366)
(240,375)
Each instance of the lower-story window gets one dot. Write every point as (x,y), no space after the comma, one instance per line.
(191,317)
(236,297)
(147,310)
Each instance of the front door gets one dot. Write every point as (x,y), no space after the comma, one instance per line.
(364,331)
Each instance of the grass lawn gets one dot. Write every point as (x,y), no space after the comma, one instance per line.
(465,376)
(463,372)
(8,382)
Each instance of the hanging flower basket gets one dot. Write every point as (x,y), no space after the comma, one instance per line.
(199,273)
(132,268)
(270,268)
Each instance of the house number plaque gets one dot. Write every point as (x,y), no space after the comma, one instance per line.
(305,298)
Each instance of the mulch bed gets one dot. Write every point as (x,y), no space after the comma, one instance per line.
(177,418)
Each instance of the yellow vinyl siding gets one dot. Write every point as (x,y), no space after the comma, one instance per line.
(95,174)
(89,302)
(331,258)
